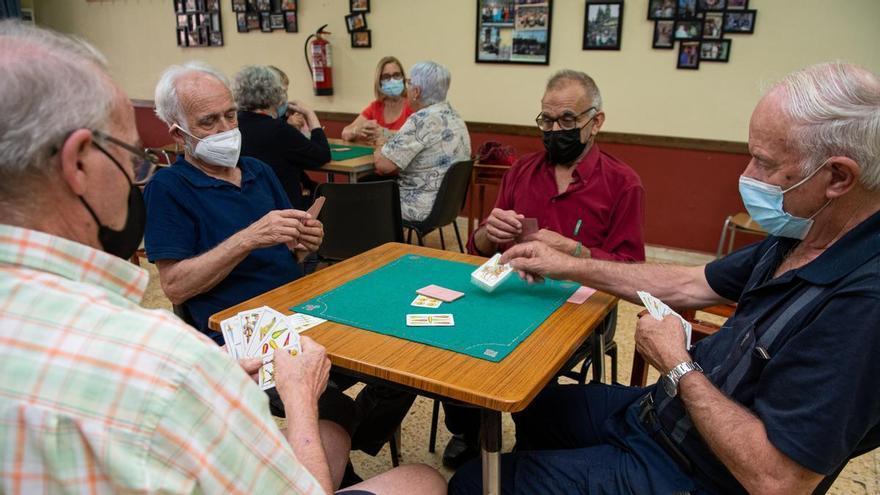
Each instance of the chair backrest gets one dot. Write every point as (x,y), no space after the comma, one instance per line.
(358,217)
(450,198)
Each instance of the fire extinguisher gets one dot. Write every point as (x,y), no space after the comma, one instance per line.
(319,62)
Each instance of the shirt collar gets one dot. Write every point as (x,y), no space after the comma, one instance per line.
(71,260)
(585,166)
(852,250)
(198,178)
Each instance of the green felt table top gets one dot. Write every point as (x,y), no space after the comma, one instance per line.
(487,325)
(341,152)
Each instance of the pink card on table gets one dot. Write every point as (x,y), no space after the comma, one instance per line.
(442,293)
(582,294)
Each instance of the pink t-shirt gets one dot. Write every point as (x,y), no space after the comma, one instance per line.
(376,111)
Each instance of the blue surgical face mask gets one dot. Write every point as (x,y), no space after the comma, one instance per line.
(392,87)
(282,111)
(764,204)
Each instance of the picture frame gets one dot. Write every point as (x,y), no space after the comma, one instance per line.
(740,22)
(213,5)
(253,21)
(265,22)
(239,5)
(513,31)
(264,6)
(216,38)
(737,4)
(688,55)
(288,5)
(182,21)
(713,26)
(241,23)
(276,21)
(715,51)
(362,39)
(688,30)
(358,6)
(661,9)
(179,7)
(291,24)
(711,5)
(686,9)
(603,25)
(181,37)
(355,22)
(663,34)
(215,22)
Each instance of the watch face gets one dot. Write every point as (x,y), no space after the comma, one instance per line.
(669,386)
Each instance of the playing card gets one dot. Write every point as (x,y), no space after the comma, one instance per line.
(267,371)
(268,320)
(430,320)
(248,322)
(231,329)
(529,226)
(582,294)
(279,336)
(426,302)
(660,310)
(491,274)
(299,322)
(442,293)
(315,209)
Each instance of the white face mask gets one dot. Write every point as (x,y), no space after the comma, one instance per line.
(220,149)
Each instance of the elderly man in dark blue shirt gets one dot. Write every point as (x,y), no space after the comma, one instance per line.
(786,392)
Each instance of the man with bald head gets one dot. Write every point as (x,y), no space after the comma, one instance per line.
(785,393)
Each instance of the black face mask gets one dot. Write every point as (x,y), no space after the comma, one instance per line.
(564,146)
(123,243)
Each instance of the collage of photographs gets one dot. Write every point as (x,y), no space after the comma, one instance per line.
(513,31)
(356,24)
(198,23)
(265,15)
(699,26)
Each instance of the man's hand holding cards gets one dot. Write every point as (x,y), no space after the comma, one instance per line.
(660,310)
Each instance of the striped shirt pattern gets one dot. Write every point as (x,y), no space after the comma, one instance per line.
(99,395)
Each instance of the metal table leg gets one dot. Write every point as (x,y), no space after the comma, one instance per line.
(330,177)
(490,447)
(598,350)
(352,177)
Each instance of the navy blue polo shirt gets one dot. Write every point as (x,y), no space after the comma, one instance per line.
(816,387)
(190,212)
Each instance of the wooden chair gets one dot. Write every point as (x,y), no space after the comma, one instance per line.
(740,222)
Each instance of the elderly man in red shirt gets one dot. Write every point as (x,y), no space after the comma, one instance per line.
(586,202)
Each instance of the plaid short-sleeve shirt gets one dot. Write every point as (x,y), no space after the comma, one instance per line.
(99,395)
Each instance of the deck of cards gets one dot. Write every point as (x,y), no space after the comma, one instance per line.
(659,310)
(432,297)
(491,274)
(260,332)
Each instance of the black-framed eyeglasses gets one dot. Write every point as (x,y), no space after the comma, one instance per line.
(388,77)
(566,121)
(145,161)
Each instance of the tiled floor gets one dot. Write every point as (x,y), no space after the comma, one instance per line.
(859,477)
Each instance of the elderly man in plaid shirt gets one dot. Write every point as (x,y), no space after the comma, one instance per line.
(98,394)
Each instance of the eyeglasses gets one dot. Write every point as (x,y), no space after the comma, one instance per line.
(145,161)
(566,121)
(388,77)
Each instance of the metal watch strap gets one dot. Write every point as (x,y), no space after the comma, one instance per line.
(682,369)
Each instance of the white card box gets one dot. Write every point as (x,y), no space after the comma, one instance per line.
(491,274)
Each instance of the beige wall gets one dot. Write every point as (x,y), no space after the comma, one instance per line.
(643,91)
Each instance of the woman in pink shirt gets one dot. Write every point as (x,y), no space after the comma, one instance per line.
(388,111)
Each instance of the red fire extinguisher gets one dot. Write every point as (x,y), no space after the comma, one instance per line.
(319,62)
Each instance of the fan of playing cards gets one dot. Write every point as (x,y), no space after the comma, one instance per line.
(260,332)
(659,310)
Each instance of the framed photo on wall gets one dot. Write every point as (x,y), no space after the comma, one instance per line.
(361,39)
(241,24)
(287,5)
(740,22)
(715,51)
(513,31)
(661,9)
(737,4)
(290,23)
(603,23)
(689,55)
(356,22)
(358,6)
(663,31)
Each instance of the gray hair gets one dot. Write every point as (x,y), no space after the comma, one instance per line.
(167,101)
(433,79)
(835,107)
(258,87)
(567,76)
(52,85)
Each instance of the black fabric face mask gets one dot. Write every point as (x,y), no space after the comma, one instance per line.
(123,243)
(564,146)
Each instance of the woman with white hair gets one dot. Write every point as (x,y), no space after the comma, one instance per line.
(261,98)
(431,140)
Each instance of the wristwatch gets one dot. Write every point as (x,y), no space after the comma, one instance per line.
(671,379)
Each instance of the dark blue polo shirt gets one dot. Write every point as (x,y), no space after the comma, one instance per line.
(818,393)
(189,213)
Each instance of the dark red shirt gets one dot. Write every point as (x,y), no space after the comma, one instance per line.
(605,194)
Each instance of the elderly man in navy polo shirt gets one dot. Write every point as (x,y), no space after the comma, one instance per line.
(786,392)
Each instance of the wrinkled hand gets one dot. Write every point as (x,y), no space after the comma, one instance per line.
(553,239)
(251,366)
(535,261)
(303,378)
(277,227)
(311,236)
(370,131)
(503,226)
(661,342)
(297,120)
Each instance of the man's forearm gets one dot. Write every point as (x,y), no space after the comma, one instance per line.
(483,244)
(740,441)
(305,439)
(182,280)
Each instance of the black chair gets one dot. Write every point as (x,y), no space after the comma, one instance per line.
(358,217)
(450,200)
(585,353)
